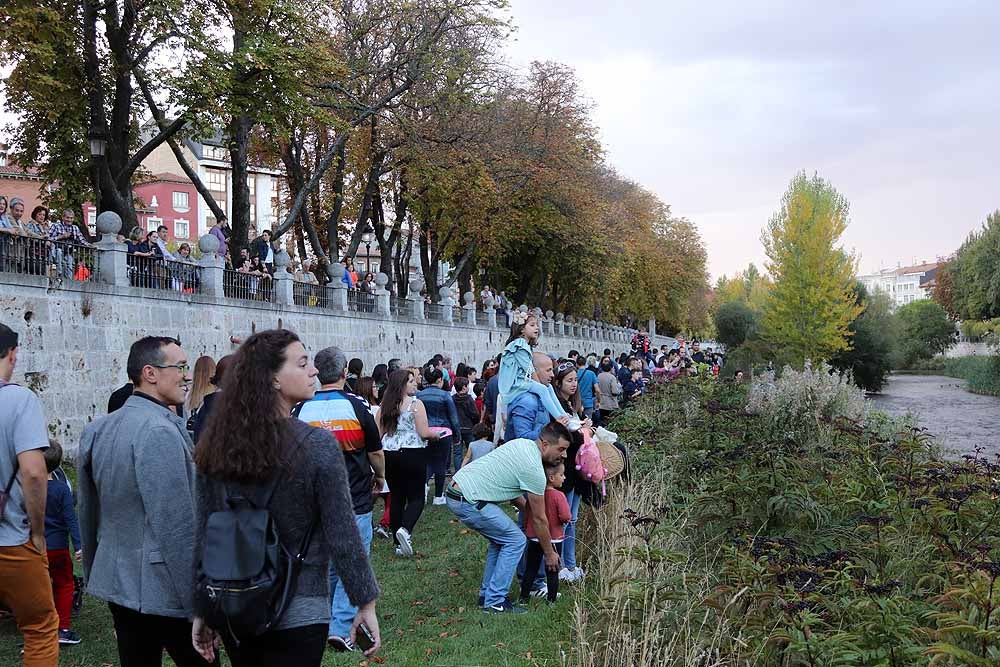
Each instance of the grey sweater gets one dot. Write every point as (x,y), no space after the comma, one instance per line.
(316,485)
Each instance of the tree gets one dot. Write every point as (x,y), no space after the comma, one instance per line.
(812,304)
(874,337)
(735,323)
(925,330)
(968,286)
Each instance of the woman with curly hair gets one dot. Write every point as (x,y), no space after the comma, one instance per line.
(252,445)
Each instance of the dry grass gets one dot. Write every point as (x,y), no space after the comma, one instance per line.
(644,605)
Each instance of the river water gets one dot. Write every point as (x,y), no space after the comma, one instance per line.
(959,419)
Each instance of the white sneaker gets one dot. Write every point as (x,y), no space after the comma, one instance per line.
(578,573)
(405,542)
(439,500)
(574,424)
(540,592)
(566,574)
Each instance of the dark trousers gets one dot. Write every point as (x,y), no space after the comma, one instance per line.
(437,464)
(534,558)
(142,639)
(302,647)
(406,473)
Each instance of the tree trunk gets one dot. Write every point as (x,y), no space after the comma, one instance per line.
(238,136)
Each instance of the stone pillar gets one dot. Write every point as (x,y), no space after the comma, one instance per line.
(571,326)
(549,324)
(469,309)
(444,298)
(651,327)
(560,325)
(491,312)
(212,267)
(284,289)
(337,290)
(112,258)
(416,301)
(382,295)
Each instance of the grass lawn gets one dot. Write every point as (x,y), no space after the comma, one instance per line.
(427,612)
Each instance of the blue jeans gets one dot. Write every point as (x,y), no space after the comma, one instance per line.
(342,613)
(569,543)
(506,544)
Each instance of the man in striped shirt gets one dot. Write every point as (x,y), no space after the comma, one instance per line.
(349,419)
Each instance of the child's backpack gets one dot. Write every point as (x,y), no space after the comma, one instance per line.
(588,460)
(246,576)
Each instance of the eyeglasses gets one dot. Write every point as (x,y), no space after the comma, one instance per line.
(183,368)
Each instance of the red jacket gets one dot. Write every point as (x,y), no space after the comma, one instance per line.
(557,511)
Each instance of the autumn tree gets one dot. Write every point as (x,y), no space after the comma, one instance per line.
(968,285)
(808,311)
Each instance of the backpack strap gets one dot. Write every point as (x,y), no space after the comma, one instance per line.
(13,475)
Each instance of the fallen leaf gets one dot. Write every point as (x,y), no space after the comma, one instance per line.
(443,634)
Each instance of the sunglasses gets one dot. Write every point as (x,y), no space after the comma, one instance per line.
(566,365)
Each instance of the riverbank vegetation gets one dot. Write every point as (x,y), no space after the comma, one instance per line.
(789,524)
(981,373)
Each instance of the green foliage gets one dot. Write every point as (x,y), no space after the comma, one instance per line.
(925,330)
(982,373)
(873,353)
(735,322)
(982,330)
(812,304)
(969,284)
(821,533)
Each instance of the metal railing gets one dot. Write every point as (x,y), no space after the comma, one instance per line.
(400,307)
(312,295)
(360,301)
(247,286)
(56,259)
(163,274)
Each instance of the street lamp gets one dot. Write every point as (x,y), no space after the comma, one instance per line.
(98,144)
(367,239)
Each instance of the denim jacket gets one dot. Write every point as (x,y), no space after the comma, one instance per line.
(440,409)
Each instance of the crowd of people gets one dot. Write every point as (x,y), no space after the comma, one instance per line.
(260,474)
(43,245)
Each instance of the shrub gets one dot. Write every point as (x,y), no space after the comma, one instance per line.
(807,530)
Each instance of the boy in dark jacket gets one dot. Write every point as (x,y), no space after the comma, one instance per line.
(60,524)
(468,413)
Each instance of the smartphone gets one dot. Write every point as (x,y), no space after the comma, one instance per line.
(363,638)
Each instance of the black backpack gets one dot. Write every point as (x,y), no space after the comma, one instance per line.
(246,576)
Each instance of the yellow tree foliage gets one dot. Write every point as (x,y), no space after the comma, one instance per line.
(807,312)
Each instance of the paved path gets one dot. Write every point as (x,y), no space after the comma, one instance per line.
(961,420)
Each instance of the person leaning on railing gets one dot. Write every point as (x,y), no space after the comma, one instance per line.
(64,235)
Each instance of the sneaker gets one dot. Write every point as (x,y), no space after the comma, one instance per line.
(578,573)
(439,500)
(505,608)
(482,600)
(340,644)
(574,424)
(381,530)
(68,637)
(567,575)
(540,592)
(405,542)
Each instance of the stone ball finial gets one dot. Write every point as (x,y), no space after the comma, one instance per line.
(416,285)
(549,314)
(281,259)
(468,298)
(560,317)
(571,319)
(490,301)
(336,272)
(208,244)
(444,293)
(381,280)
(523,308)
(109,222)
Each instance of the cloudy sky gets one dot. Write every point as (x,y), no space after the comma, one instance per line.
(715,105)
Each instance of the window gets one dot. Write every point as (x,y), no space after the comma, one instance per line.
(152,223)
(182,229)
(252,185)
(216,153)
(92,221)
(215,181)
(181,201)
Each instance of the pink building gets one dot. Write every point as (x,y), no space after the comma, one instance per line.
(166,199)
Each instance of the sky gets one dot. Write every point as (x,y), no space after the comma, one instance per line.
(714,106)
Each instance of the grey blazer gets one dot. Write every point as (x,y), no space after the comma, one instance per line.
(136,492)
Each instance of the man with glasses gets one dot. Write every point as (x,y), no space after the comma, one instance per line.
(136,490)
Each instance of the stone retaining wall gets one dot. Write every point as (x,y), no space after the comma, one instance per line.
(75,337)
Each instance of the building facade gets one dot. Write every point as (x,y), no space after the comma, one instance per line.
(904,284)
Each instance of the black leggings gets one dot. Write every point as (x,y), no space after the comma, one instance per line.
(296,646)
(437,464)
(405,472)
(533,559)
(142,639)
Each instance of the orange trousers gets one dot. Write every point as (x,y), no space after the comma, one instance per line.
(25,589)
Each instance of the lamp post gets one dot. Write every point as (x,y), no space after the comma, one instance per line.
(98,143)
(367,239)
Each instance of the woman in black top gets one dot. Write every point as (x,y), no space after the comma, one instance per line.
(249,439)
(575,486)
